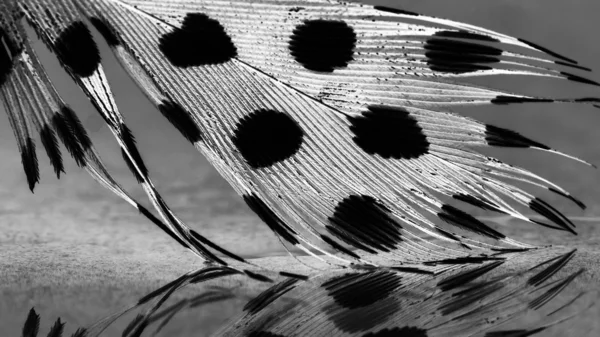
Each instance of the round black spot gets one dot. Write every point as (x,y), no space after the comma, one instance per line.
(454,56)
(364,223)
(407,331)
(266,137)
(8,51)
(389,132)
(181,119)
(77,51)
(323,45)
(200,41)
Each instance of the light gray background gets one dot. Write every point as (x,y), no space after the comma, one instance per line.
(76,251)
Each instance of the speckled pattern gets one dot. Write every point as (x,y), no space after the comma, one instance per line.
(74,250)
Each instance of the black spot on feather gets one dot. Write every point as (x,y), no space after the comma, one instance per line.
(453,56)
(8,51)
(456,217)
(32,324)
(181,119)
(50,144)
(465,277)
(266,137)
(323,45)
(106,30)
(356,290)
(394,10)
(30,163)
(496,136)
(407,331)
(77,50)
(268,296)
(129,141)
(270,218)
(363,222)
(200,41)
(389,132)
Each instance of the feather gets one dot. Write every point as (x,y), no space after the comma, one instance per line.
(333,122)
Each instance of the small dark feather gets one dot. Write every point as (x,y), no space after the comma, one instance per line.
(271,219)
(465,277)
(30,163)
(323,45)
(77,50)
(50,144)
(145,212)
(544,209)
(496,136)
(258,277)
(57,329)
(547,51)
(173,284)
(81,332)
(129,141)
(181,119)
(32,324)
(339,247)
(475,201)
(268,296)
(579,79)
(545,274)
(456,217)
(502,99)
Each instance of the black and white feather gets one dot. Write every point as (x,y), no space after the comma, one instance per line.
(332,121)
